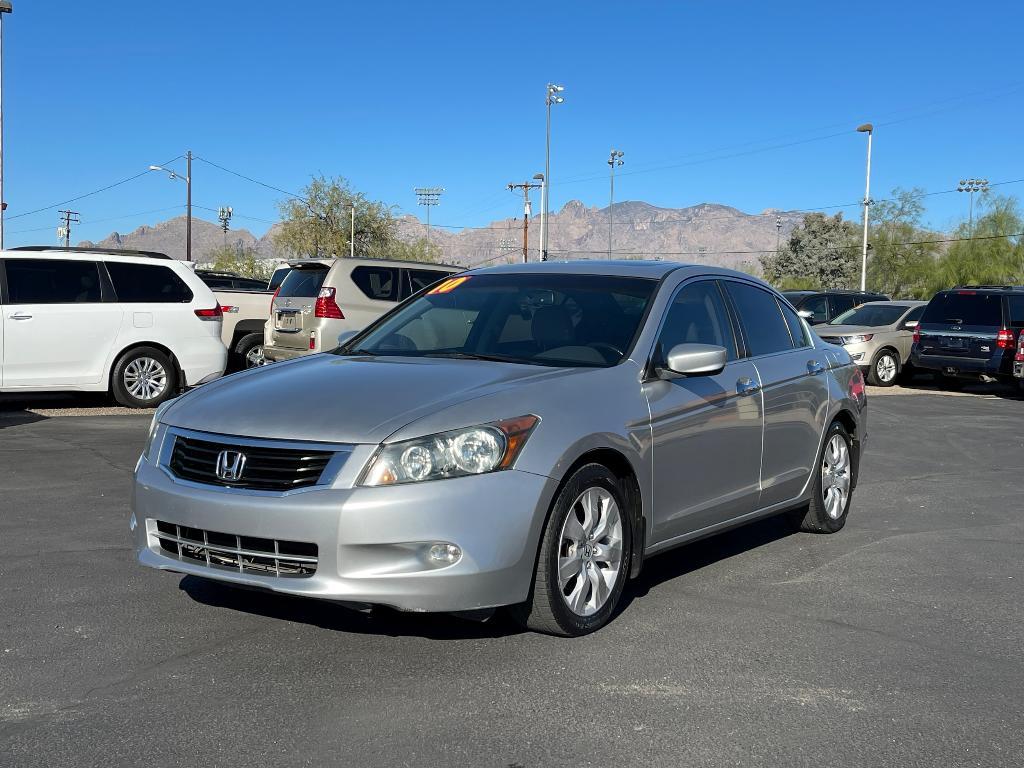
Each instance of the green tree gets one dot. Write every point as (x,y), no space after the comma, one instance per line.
(992,255)
(821,253)
(901,262)
(320,224)
(243,261)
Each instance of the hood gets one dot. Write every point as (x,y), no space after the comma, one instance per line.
(849,330)
(344,399)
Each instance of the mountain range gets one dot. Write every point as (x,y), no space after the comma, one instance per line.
(707,233)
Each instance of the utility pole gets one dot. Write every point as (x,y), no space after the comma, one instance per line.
(188,206)
(553,97)
(614,159)
(527,210)
(5,7)
(64,230)
(429,197)
(224,214)
(778,232)
(869,129)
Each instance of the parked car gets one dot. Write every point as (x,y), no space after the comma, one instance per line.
(970,332)
(878,335)
(245,315)
(523,435)
(135,323)
(822,306)
(229,281)
(320,299)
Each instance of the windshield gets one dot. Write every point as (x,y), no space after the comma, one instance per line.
(872,315)
(539,319)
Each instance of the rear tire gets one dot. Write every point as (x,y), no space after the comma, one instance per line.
(249,352)
(143,377)
(885,368)
(833,484)
(584,557)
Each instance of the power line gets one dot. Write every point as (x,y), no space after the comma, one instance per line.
(254,181)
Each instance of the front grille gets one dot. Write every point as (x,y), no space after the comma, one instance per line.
(266,468)
(240,554)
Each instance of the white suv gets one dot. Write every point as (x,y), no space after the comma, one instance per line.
(138,324)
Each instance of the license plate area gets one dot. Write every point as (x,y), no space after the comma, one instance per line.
(954,342)
(287,321)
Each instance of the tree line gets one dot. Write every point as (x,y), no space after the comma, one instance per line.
(905,258)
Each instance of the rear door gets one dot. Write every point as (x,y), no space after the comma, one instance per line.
(58,323)
(292,311)
(794,386)
(961,324)
(372,290)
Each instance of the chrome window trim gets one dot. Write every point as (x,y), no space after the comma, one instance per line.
(341,452)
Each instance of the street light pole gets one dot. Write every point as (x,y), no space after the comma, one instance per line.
(552,97)
(869,130)
(614,159)
(188,199)
(352,235)
(5,7)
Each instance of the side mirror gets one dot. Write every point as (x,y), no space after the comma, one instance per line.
(696,359)
(910,324)
(345,336)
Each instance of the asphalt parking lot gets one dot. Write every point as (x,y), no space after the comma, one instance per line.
(896,642)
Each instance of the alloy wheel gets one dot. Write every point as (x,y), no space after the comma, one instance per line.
(835,477)
(590,551)
(145,378)
(254,357)
(886,368)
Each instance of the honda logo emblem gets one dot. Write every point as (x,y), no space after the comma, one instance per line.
(230,465)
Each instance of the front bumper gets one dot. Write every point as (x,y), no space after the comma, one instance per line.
(371,542)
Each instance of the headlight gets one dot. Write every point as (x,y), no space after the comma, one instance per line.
(858,339)
(154,427)
(460,452)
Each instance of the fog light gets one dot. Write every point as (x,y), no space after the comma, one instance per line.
(856,355)
(445,553)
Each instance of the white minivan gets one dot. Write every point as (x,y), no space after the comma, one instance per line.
(138,324)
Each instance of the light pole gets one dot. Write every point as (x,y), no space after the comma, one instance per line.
(5,7)
(972,186)
(869,129)
(428,196)
(614,159)
(188,199)
(352,234)
(552,97)
(778,232)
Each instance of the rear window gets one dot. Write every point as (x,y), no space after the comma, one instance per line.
(956,308)
(52,281)
(1016,311)
(305,282)
(147,283)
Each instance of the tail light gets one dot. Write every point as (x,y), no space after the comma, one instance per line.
(917,334)
(856,387)
(1019,357)
(1005,339)
(326,306)
(210,314)
(274,297)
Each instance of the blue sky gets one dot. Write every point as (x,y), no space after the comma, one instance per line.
(748,104)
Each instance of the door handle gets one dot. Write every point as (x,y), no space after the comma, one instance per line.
(747,386)
(814,367)
(20,316)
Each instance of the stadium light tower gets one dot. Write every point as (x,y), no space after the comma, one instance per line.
(554,96)
(429,197)
(614,159)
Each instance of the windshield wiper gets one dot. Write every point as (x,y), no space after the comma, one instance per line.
(454,355)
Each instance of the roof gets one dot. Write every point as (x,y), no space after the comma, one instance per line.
(847,291)
(81,250)
(615,267)
(328,261)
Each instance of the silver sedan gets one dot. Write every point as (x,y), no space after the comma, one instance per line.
(518,436)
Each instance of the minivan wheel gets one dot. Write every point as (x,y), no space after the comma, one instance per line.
(584,557)
(833,484)
(885,368)
(143,378)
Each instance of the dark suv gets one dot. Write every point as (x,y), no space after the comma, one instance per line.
(821,306)
(970,332)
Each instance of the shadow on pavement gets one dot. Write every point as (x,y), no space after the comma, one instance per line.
(440,626)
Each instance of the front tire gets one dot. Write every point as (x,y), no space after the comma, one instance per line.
(833,484)
(143,377)
(584,557)
(885,368)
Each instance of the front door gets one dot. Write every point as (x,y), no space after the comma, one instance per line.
(794,387)
(57,329)
(706,429)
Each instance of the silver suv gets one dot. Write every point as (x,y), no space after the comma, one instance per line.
(516,436)
(320,299)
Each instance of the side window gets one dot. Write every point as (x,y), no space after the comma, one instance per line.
(421,278)
(916,312)
(378,283)
(52,281)
(147,284)
(697,316)
(818,307)
(763,324)
(841,303)
(796,328)
(1016,311)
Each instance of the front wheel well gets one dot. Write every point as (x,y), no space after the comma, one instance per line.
(625,474)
